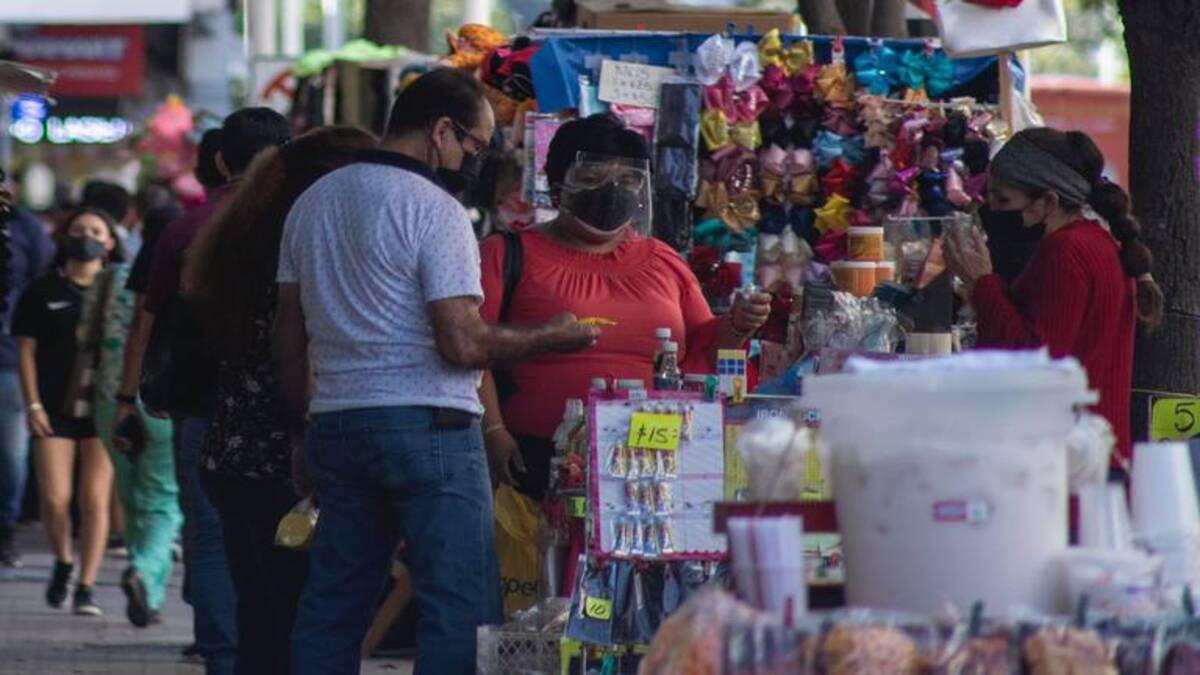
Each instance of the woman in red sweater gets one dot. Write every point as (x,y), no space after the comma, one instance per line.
(1089,281)
(594,260)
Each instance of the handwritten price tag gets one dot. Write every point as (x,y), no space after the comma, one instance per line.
(654,431)
(1175,419)
(597,608)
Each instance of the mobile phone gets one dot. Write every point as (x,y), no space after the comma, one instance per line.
(130,436)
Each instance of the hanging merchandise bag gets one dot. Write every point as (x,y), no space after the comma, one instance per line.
(516,546)
(980,27)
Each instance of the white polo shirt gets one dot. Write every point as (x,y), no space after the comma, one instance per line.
(371,245)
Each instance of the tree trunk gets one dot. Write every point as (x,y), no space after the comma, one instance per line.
(888,20)
(398,22)
(1161,37)
(856,14)
(822,17)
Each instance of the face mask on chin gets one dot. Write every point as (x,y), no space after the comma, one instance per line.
(606,209)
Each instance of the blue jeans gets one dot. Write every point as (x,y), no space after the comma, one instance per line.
(214,601)
(14,448)
(384,475)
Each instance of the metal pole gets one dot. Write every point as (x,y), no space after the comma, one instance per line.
(332,30)
(292,18)
(261,28)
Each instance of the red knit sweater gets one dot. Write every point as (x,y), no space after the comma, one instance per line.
(1075,299)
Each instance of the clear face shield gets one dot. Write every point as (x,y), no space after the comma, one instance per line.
(608,194)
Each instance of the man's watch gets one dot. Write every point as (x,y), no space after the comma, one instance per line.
(128,399)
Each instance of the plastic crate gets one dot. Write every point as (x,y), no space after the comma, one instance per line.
(505,652)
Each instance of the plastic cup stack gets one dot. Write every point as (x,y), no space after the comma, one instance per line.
(1104,517)
(1166,512)
(768,564)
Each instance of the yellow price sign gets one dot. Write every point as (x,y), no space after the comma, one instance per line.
(576,507)
(597,608)
(655,431)
(1175,419)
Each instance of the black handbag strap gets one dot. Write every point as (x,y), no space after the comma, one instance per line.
(513,264)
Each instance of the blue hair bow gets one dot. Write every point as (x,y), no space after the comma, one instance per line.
(878,69)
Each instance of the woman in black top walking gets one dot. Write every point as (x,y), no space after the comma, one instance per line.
(56,380)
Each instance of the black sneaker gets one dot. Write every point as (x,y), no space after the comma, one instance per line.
(56,592)
(9,555)
(117,548)
(136,609)
(84,604)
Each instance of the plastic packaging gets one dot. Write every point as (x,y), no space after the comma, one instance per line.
(867,641)
(296,528)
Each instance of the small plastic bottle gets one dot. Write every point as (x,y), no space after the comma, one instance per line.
(663,335)
(668,377)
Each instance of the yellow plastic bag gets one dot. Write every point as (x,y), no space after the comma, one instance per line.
(295,530)
(516,546)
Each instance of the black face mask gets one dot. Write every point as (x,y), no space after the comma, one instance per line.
(462,180)
(1009,225)
(606,208)
(84,249)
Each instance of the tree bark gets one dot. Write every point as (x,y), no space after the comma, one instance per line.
(888,20)
(398,22)
(856,14)
(1161,37)
(822,17)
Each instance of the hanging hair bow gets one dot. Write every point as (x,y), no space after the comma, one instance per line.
(928,70)
(840,118)
(834,84)
(834,215)
(772,52)
(878,69)
(778,90)
(832,246)
(828,146)
(712,58)
(714,129)
(839,180)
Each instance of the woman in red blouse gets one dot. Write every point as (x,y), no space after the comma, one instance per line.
(592,262)
(1088,283)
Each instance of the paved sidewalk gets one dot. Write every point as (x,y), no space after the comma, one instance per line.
(38,640)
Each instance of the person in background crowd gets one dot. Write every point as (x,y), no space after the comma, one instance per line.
(142,451)
(592,262)
(1086,287)
(117,203)
(246,465)
(29,254)
(191,386)
(55,379)
(379,280)
(207,172)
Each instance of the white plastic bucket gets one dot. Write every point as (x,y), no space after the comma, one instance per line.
(951,485)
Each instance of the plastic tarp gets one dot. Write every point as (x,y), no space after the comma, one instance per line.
(563,58)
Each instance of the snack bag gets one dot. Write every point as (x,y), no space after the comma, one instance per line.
(296,529)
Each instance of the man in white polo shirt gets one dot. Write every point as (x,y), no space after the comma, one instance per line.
(379,285)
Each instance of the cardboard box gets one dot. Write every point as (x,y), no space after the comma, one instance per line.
(660,16)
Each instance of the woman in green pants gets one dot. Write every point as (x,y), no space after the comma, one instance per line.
(145,474)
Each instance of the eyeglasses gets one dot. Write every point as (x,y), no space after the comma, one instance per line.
(464,133)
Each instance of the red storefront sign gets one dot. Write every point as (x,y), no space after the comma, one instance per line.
(89,60)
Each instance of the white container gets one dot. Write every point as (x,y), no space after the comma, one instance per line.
(1164,491)
(952,484)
